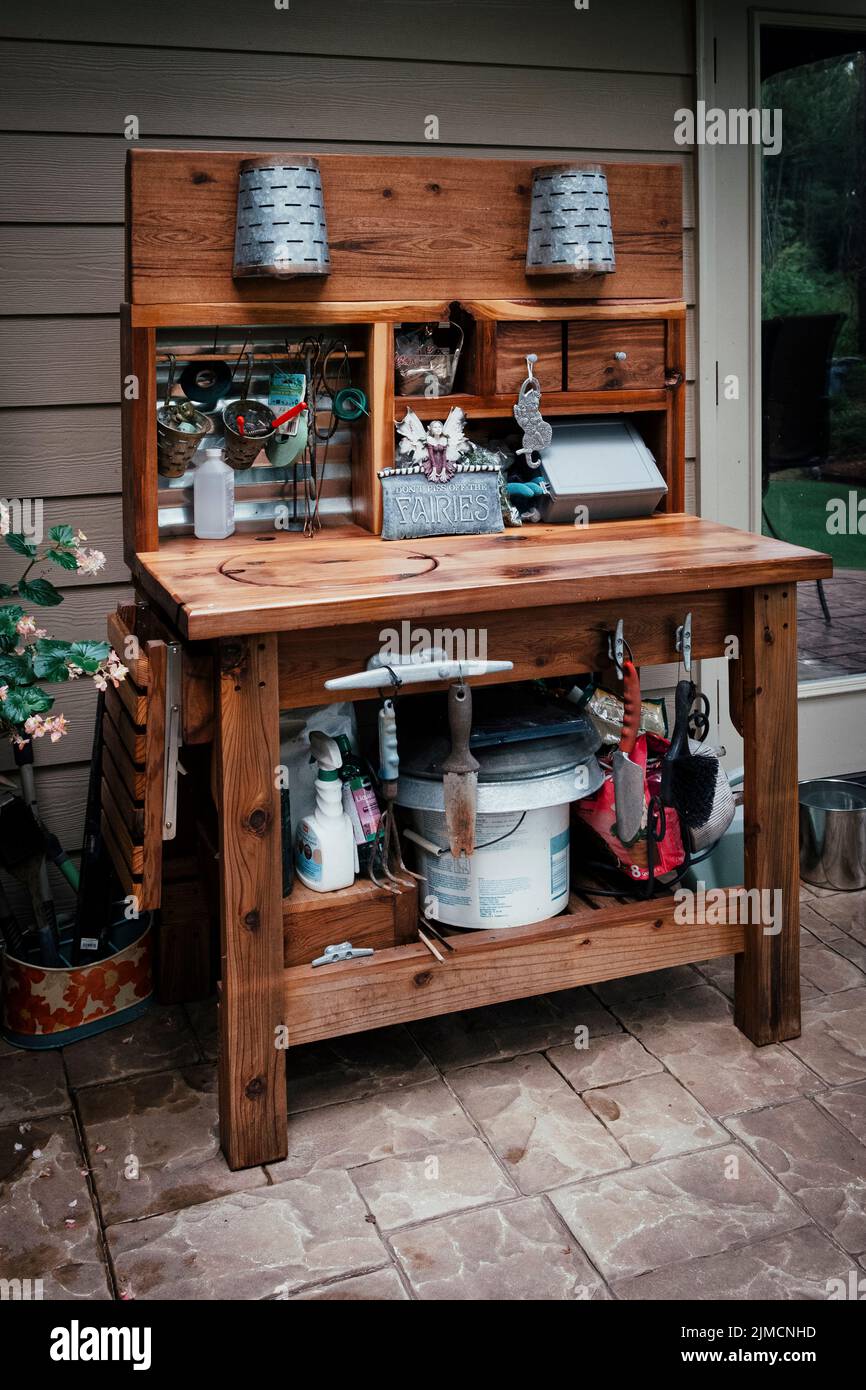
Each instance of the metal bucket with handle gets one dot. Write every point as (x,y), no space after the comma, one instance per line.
(180,428)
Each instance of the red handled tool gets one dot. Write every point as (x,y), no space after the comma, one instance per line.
(288,414)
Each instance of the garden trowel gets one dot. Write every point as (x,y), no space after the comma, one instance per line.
(460,774)
(628,776)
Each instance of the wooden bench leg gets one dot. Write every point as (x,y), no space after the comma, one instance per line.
(252,1081)
(767,979)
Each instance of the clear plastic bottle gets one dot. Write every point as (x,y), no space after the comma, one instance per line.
(213,497)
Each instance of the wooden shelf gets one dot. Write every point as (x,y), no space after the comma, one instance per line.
(553,403)
(581,946)
(288,313)
(536,311)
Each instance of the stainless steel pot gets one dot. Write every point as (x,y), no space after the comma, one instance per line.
(833,834)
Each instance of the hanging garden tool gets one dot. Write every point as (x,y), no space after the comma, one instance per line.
(427,665)
(386,850)
(688,782)
(699,709)
(628,776)
(460,774)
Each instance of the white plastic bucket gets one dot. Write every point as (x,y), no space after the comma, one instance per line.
(515,876)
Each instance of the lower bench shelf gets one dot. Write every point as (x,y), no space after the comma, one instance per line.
(585,945)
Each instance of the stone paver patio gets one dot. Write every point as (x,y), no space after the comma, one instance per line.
(473,1157)
(836,648)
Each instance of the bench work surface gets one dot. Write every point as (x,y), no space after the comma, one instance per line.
(288,582)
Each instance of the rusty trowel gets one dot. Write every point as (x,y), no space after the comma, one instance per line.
(460,774)
(628,776)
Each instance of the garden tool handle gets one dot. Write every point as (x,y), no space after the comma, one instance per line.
(389,759)
(460,724)
(417,673)
(288,414)
(679,744)
(631,706)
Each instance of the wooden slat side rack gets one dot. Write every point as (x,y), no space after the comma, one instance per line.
(263,620)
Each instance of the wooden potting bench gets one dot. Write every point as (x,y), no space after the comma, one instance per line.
(260,621)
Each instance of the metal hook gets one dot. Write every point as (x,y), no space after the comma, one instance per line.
(683,641)
(172,368)
(396,681)
(618,648)
(531,381)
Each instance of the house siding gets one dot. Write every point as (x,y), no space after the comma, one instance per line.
(503,78)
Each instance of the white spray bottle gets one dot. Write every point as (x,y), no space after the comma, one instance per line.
(326,856)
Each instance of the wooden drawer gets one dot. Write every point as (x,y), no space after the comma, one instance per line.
(514,341)
(594,366)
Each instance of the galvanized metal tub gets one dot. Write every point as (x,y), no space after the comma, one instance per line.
(833,834)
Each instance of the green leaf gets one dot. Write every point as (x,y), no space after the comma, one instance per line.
(19,543)
(22,702)
(16,670)
(10,614)
(41,592)
(6,591)
(51,659)
(64,558)
(88,655)
(62,535)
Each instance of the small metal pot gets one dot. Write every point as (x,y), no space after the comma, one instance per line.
(176,442)
(833,834)
(242,450)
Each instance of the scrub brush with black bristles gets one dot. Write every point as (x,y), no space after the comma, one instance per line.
(688,783)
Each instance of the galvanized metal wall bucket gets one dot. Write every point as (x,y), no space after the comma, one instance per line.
(570,229)
(833,834)
(281,227)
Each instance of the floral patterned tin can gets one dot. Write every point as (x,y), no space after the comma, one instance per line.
(50,1007)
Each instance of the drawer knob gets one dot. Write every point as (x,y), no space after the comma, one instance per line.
(620,356)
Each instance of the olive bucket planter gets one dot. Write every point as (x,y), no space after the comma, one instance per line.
(50,1007)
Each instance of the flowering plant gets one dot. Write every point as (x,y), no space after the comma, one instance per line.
(27,653)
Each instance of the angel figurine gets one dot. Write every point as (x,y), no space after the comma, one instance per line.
(438,449)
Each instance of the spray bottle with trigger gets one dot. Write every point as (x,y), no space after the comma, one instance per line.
(326,856)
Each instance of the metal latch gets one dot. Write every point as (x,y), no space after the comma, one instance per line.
(344,951)
(173,696)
